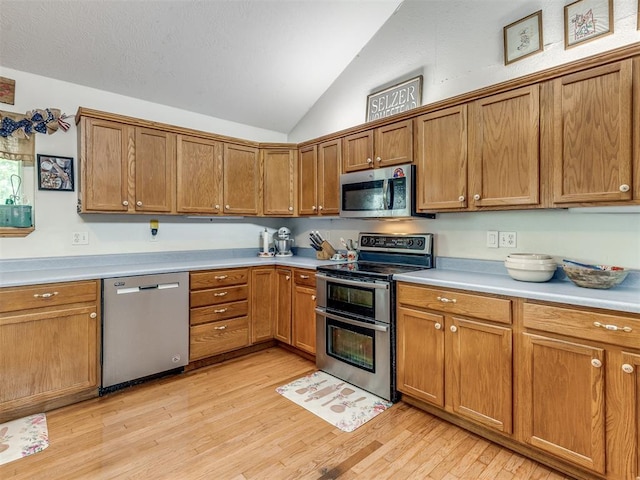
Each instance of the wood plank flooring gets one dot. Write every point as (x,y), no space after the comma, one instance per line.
(227,422)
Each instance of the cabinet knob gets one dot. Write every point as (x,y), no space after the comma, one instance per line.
(476,196)
(378,159)
(626,368)
(227,206)
(596,363)
(461,198)
(288,277)
(216,206)
(320,207)
(313,207)
(453,328)
(125,203)
(624,187)
(369,161)
(139,203)
(291,209)
(93,315)
(438,326)
(313,297)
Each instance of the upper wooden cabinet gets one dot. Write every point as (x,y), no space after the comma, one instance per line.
(199,175)
(382,147)
(319,178)
(279,181)
(592,136)
(242,180)
(154,165)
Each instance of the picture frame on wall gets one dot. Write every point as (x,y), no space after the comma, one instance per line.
(55,173)
(523,38)
(587,20)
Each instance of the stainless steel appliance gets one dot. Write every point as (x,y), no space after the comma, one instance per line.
(283,242)
(145,328)
(379,193)
(355,314)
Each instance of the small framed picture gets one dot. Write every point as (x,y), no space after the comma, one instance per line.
(523,38)
(586,20)
(55,173)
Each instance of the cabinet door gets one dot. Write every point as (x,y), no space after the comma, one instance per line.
(420,348)
(199,175)
(304,318)
(563,403)
(283,300)
(329,162)
(242,180)
(47,356)
(155,154)
(592,127)
(308,180)
(442,159)
(279,176)
(504,149)
(480,372)
(357,151)
(394,144)
(263,294)
(104,165)
(628,441)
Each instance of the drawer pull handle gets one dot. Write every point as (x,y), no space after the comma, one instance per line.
(45,295)
(221,327)
(221,277)
(453,328)
(304,276)
(438,326)
(220,294)
(613,328)
(93,315)
(447,300)
(626,368)
(596,363)
(220,310)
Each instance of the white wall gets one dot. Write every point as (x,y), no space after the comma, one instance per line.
(458,47)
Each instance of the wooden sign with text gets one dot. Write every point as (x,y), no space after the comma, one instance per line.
(396,99)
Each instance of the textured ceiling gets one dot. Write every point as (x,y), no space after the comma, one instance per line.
(259,63)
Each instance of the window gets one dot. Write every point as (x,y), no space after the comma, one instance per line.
(11,175)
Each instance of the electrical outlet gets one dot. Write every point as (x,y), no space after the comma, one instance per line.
(508,239)
(492,239)
(80,238)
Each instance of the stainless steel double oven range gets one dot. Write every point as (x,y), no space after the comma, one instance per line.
(355,314)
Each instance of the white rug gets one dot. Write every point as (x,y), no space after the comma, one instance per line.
(22,437)
(335,401)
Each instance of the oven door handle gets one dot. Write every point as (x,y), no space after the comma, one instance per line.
(372,326)
(355,283)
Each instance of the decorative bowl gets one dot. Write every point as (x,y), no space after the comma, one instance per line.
(530,267)
(531,275)
(607,277)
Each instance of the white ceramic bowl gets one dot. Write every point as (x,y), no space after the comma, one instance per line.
(530,258)
(531,266)
(531,275)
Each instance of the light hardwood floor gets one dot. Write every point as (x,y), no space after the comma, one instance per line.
(227,422)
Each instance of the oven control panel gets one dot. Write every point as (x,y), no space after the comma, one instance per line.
(398,242)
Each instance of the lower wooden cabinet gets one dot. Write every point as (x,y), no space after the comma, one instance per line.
(263,314)
(283,299)
(304,311)
(49,345)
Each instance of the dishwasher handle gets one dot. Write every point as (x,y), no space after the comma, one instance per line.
(141,288)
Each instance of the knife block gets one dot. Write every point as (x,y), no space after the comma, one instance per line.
(327,251)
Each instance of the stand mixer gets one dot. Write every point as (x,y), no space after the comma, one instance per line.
(283,242)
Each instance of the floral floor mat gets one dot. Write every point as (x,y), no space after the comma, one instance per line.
(335,401)
(22,437)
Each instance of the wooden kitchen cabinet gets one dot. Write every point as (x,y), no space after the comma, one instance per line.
(219,312)
(284,300)
(154,160)
(199,175)
(304,311)
(455,351)
(592,136)
(242,189)
(50,344)
(319,178)
(263,306)
(384,146)
(279,171)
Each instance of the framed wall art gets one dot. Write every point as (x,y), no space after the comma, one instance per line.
(55,173)
(586,20)
(399,98)
(523,38)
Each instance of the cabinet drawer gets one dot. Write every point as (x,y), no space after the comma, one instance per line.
(219,312)
(305,277)
(216,296)
(219,278)
(37,296)
(582,324)
(479,306)
(218,337)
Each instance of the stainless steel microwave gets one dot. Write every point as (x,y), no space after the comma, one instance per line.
(379,193)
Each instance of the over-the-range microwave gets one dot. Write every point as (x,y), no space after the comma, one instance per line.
(379,193)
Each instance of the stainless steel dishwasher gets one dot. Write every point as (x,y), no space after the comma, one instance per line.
(145,328)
